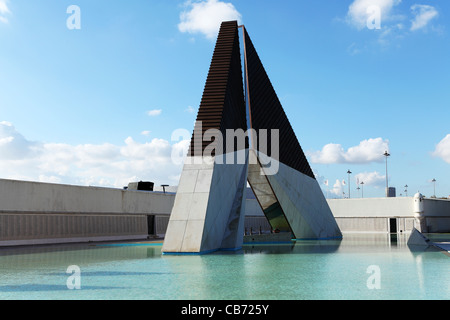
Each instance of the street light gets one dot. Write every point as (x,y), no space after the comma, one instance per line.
(362,189)
(406,190)
(386,154)
(164,187)
(349,173)
(434,186)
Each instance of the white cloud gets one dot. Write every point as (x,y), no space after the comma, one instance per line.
(4,10)
(13,145)
(205,17)
(358,13)
(338,189)
(190,109)
(443,149)
(423,14)
(4,7)
(371,178)
(391,24)
(367,151)
(354,49)
(87,164)
(154,113)
(330,153)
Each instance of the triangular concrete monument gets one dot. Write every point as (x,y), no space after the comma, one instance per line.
(208,212)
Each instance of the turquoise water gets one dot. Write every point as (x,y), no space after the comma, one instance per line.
(301,270)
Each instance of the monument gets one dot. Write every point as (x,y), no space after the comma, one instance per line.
(209,208)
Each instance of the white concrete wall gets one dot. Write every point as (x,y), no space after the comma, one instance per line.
(437,215)
(42,213)
(23,196)
(372,207)
(35,213)
(436,207)
(373,214)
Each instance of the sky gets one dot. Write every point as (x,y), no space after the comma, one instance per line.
(103,93)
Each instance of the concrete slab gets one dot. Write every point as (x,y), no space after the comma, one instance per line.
(209,209)
(416,238)
(304,204)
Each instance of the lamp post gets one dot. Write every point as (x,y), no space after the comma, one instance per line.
(164,187)
(386,154)
(406,190)
(362,189)
(349,173)
(434,187)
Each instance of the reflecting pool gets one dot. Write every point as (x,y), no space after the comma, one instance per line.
(360,266)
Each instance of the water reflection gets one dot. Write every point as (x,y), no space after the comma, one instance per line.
(296,247)
(60,257)
(42,287)
(351,242)
(304,269)
(108,273)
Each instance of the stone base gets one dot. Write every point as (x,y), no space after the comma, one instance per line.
(209,208)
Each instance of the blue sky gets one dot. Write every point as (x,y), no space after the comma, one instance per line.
(98,105)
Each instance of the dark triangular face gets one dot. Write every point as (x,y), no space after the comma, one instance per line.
(276,193)
(266,112)
(222,106)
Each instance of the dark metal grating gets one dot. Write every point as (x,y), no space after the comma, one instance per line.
(267,113)
(222,106)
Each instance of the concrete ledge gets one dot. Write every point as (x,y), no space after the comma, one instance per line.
(12,243)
